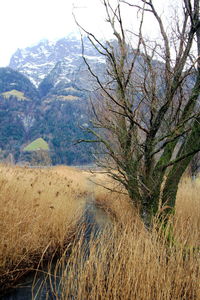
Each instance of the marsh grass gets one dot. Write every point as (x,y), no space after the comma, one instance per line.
(41,211)
(127,261)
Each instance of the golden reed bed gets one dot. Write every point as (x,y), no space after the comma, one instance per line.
(39,213)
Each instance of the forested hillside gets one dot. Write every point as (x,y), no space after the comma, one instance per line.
(57,117)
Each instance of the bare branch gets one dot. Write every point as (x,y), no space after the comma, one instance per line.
(180,158)
(136,6)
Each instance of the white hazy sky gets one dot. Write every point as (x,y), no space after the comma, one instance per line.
(25,22)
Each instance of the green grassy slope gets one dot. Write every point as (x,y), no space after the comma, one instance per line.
(38,144)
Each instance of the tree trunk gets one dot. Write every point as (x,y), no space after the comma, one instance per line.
(174,176)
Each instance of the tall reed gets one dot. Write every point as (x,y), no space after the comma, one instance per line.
(39,210)
(127,261)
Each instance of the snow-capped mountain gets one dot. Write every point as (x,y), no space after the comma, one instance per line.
(63,57)
(43,94)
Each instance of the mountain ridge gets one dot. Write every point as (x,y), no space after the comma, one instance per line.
(61,108)
(38,61)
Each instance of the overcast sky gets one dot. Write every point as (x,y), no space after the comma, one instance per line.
(25,22)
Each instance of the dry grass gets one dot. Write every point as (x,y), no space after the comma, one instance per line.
(128,262)
(116,204)
(40,209)
(187,217)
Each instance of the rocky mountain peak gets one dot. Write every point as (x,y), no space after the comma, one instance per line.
(38,61)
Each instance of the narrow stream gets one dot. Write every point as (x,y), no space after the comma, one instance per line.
(38,286)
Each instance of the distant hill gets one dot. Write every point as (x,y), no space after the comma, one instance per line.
(54,79)
(44,94)
(13,80)
(19,100)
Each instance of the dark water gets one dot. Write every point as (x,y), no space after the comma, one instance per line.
(39,286)
(34,286)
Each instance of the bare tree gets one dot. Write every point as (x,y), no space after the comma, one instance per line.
(147,119)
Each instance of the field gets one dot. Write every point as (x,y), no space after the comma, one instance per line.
(36,145)
(40,216)
(19,95)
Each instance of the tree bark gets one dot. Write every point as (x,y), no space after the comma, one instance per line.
(175,174)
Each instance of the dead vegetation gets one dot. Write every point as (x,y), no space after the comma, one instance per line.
(127,261)
(39,210)
(39,213)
